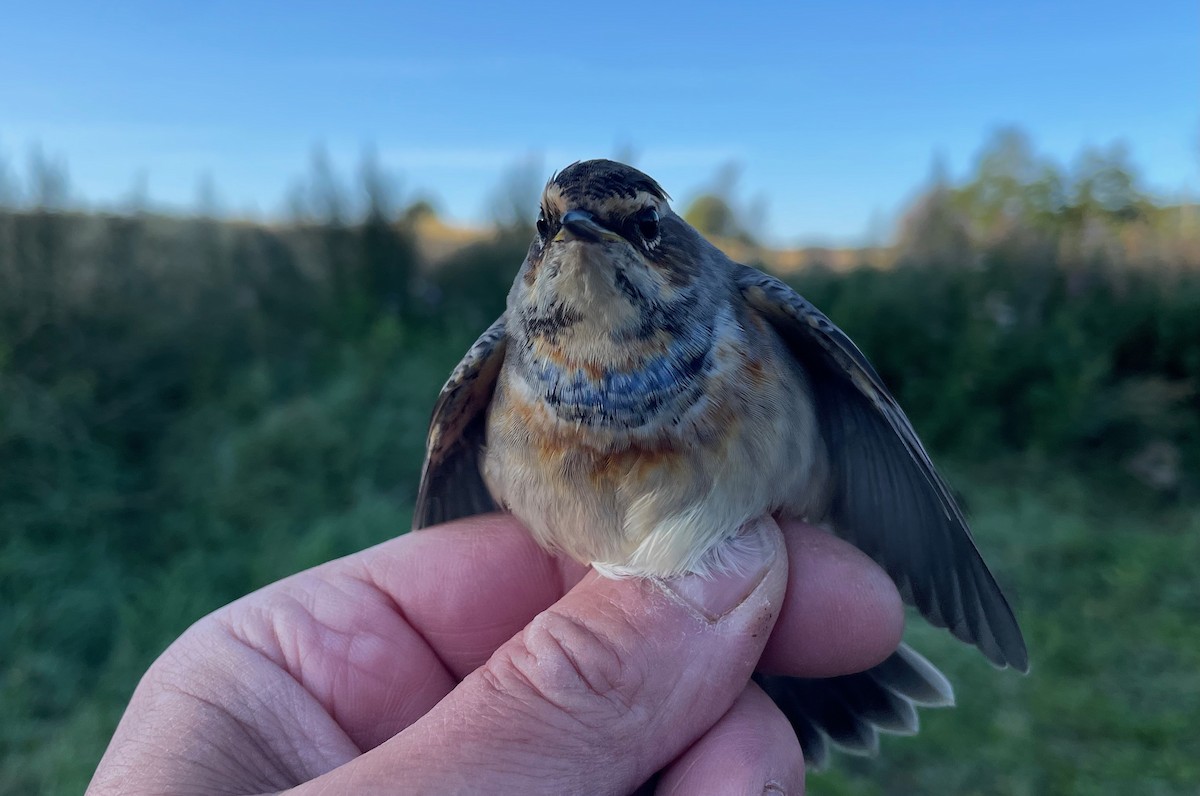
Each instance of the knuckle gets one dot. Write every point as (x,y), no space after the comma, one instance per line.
(579,670)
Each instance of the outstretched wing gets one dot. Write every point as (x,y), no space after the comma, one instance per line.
(451,483)
(887,498)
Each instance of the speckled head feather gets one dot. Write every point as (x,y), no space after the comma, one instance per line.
(599,179)
(621,200)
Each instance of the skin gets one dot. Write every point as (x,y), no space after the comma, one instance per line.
(465,659)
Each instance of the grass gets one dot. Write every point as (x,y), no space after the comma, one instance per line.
(1106,591)
(1105,587)
(103,570)
(189,411)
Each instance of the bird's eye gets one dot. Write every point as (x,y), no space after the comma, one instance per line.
(647,223)
(543,226)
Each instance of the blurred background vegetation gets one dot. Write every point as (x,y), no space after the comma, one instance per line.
(191,408)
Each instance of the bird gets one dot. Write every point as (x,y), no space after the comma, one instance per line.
(643,396)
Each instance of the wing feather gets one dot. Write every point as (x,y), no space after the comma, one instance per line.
(452,485)
(887,497)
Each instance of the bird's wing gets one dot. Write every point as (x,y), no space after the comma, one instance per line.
(887,498)
(451,483)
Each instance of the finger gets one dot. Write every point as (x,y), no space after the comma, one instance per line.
(842,613)
(609,685)
(301,676)
(469,586)
(381,636)
(752,750)
(374,640)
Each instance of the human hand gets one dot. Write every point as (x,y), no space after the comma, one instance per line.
(465,659)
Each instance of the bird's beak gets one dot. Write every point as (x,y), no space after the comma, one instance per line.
(582,225)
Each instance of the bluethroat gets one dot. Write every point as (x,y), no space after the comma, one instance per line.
(643,396)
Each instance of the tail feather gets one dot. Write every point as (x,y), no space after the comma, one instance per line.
(849,712)
(910,674)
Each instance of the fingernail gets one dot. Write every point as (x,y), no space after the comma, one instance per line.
(734,570)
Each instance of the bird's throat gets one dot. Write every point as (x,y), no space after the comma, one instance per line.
(584,381)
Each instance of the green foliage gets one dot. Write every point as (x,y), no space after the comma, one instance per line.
(712,215)
(1094,213)
(1105,587)
(718,213)
(1016,357)
(472,285)
(190,409)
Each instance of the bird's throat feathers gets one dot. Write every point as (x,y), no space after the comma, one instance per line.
(605,335)
(594,368)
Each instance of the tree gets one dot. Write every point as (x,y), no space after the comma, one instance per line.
(379,188)
(208,203)
(934,231)
(716,213)
(10,193)
(419,209)
(321,197)
(997,199)
(387,252)
(48,182)
(1106,183)
(712,215)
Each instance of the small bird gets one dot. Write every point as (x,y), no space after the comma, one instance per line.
(643,397)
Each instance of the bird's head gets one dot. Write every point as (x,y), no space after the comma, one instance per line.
(608,252)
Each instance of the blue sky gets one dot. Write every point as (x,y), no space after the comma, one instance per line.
(833,111)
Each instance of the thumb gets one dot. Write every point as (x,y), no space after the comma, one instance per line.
(599,691)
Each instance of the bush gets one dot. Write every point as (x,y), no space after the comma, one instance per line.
(1029,357)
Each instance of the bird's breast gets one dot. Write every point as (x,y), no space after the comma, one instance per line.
(644,469)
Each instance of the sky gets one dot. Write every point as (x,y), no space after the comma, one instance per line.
(832,113)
